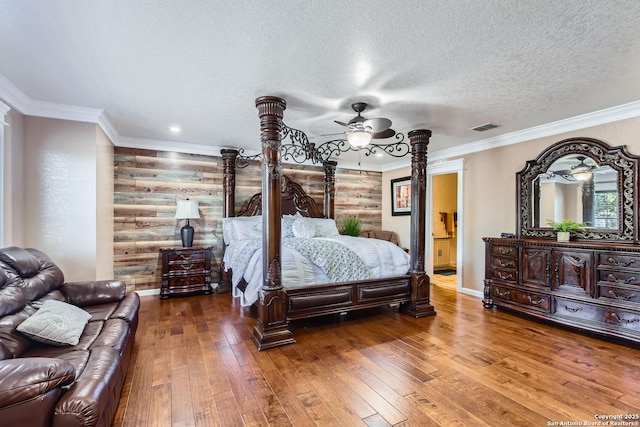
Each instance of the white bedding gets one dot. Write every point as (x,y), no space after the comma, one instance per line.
(244,257)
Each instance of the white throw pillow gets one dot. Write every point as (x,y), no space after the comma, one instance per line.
(314,227)
(241,227)
(56,323)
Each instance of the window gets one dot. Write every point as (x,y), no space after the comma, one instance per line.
(606,209)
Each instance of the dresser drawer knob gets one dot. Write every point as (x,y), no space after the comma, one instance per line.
(613,278)
(617,263)
(502,294)
(572,309)
(616,296)
(504,251)
(535,302)
(505,264)
(625,321)
(187,266)
(505,277)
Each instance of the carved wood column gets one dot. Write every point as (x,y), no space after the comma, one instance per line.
(228,207)
(272,328)
(229,182)
(330,188)
(420,305)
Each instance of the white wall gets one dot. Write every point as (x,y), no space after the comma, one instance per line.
(14,180)
(60,188)
(104,206)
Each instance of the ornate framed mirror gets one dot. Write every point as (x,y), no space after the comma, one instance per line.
(584,180)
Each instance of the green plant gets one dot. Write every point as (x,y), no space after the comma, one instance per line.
(566,225)
(352,226)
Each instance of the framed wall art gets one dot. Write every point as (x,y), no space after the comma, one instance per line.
(401,196)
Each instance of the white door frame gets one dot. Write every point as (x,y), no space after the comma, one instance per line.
(441,168)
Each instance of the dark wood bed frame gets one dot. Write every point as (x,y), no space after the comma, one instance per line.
(277,306)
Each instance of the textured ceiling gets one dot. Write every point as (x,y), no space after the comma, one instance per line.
(442,65)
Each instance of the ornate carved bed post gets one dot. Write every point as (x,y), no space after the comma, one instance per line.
(272,329)
(228,205)
(330,188)
(420,305)
(229,181)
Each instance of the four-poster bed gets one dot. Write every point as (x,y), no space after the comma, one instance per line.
(278,305)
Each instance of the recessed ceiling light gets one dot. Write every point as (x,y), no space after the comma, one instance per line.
(174,129)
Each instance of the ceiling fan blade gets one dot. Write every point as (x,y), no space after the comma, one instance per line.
(342,124)
(377,125)
(562,172)
(384,134)
(334,134)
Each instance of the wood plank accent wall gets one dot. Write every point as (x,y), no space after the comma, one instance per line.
(148,183)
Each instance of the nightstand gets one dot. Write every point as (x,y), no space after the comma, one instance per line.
(185,271)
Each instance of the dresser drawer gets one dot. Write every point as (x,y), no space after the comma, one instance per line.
(505,274)
(612,316)
(619,260)
(535,300)
(504,263)
(619,293)
(505,251)
(619,277)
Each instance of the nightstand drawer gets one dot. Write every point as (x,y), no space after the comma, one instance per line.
(186,267)
(182,255)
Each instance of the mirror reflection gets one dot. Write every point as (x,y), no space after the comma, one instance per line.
(575,187)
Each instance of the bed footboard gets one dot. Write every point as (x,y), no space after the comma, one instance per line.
(310,301)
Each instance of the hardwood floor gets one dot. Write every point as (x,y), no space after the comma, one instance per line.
(195,365)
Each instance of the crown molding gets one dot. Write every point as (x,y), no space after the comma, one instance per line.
(13,96)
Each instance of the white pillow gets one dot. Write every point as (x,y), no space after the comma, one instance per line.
(56,323)
(314,227)
(241,227)
(286,225)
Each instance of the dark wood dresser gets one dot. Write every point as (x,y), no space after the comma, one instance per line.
(593,286)
(185,271)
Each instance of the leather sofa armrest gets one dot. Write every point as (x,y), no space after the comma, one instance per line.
(93,293)
(128,308)
(26,378)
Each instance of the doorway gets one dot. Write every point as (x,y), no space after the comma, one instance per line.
(444,224)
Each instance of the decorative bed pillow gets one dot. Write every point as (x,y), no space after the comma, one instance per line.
(286,225)
(241,227)
(56,323)
(314,227)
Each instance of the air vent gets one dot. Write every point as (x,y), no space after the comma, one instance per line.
(484,127)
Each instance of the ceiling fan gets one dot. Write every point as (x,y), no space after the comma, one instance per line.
(579,172)
(361,130)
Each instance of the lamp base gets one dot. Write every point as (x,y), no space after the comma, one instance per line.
(186,233)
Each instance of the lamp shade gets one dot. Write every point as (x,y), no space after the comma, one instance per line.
(359,139)
(187,209)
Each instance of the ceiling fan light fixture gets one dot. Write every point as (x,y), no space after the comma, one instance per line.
(359,138)
(581,171)
(582,176)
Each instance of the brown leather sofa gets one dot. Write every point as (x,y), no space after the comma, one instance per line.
(61,385)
